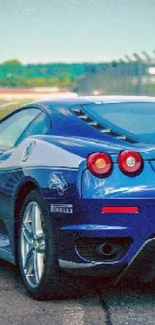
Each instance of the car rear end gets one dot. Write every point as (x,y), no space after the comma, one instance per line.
(114,222)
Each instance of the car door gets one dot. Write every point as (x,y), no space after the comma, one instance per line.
(11,130)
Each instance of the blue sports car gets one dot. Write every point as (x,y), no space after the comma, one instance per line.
(77,190)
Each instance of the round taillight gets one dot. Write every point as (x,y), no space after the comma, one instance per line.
(99,164)
(130,162)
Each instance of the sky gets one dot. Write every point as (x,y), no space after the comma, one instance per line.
(75,30)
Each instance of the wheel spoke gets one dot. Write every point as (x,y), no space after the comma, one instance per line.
(29,264)
(27,232)
(36,221)
(41,242)
(38,265)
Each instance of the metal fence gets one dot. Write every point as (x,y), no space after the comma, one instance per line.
(130,75)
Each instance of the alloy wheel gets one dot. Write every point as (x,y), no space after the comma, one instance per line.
(33,244)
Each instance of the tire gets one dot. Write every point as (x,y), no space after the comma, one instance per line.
(37,257)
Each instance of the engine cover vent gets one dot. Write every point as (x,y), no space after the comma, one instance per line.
(82,115)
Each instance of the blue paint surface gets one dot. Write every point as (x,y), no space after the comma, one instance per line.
(68,181)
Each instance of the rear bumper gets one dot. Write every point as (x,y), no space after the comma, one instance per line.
(89,223)
(93,269)
(142,266)
(140,269)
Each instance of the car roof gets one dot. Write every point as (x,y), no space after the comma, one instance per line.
(69,102)
(79,100)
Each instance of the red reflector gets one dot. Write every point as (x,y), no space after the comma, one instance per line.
(119,210)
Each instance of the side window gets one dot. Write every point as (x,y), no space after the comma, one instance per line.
(12,127)
(40,125)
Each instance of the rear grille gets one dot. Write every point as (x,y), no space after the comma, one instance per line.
(88,248)
(79,112)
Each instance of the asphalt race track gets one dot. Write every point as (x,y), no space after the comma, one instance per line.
(121,305)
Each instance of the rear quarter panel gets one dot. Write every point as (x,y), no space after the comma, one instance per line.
(52,169)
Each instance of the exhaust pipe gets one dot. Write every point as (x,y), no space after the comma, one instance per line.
(106,249)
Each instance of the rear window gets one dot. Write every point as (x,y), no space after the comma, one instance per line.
(131,119)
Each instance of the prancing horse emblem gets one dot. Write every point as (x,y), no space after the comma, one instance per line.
(57,182)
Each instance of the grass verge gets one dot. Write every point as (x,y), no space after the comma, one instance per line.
(6,108)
